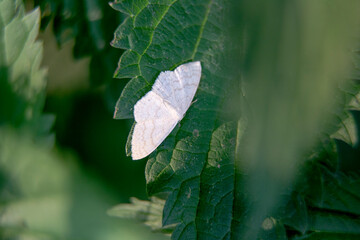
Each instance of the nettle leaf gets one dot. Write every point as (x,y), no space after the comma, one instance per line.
(343,126)
(200,200)
(159,36)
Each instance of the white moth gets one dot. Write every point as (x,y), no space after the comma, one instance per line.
(157,113)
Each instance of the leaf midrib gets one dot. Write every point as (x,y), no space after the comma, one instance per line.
(151,37)
(202,26)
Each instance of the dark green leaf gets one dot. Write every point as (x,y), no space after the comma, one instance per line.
(327,190)
(333,223)
(159,37)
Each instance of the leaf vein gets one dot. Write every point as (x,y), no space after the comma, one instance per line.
(202,28)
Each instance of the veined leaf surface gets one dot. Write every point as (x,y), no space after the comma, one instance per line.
(159,36)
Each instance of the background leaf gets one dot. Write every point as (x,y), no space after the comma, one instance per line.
(149,212)
(90,23)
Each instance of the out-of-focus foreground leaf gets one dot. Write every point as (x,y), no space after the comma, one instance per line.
(297,55)
(43,194)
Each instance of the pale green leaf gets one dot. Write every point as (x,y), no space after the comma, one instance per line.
(148,212)
(23,81)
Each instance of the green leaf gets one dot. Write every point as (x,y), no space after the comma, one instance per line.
(23,81)
(303,217)
(334,192)
(294,214)
(149,212)
(333,223)
(348,155)
(322,224)
(159,37)
(207,213)
(214,209)
(344,125)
